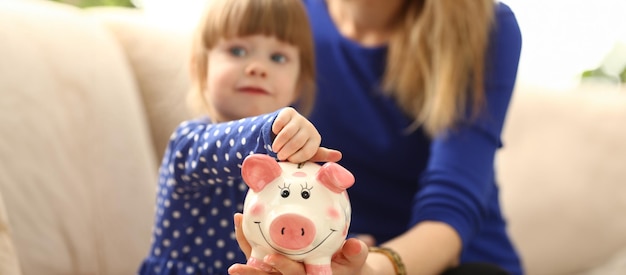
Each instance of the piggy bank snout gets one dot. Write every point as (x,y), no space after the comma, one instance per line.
(292,231)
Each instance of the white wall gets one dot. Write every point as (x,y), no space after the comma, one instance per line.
(563,38)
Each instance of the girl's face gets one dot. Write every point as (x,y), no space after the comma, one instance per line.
(249,76)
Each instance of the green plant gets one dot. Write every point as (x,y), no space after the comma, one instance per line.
(93,3)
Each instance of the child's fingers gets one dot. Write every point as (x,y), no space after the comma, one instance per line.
(286,141)
(283,118)
(324,154)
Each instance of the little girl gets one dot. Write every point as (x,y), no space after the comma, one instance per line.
(251,59)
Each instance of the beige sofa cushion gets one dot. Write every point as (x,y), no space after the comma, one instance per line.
(563,177)
(77,170)
(158,55)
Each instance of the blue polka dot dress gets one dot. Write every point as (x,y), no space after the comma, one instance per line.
(199,190)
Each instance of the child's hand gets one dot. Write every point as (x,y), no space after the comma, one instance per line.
(298,141)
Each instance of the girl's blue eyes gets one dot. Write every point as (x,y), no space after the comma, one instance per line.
(237,51)
(240,52)
(279,58)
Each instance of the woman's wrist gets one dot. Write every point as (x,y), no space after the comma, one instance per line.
(384,260)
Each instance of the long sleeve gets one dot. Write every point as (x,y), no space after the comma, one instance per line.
(201,153)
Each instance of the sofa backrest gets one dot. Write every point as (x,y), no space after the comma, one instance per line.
(562,173)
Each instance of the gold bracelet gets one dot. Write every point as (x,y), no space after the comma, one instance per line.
(395,259)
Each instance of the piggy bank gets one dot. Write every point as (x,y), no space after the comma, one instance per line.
(299,210)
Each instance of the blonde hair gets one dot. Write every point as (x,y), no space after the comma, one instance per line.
(286,20)
(447,40)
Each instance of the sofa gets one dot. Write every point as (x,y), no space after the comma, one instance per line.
(89,97)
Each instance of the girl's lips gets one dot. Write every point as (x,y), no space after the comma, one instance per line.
(253,90)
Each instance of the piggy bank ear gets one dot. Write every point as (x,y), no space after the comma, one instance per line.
(258,170)
(335,177)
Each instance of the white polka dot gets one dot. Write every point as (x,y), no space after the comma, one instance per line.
(243,141)
(189,270)
(214,211)
(227,202)
(157,251)
(217,132)
(189,230)
(202,159)
(220,243)
(253,128)
(198,241)
(240,129)
(214,171)
(217,264)
(218,191)
(224,223)
(166,242)
(194,259)
(170,182)
(230,255)
(208,252)
(187,205)
(210,232)
(170,264)
(176,214)
(226,169)
(205,170)
(179,154)
(206,200)
(176,234)
(174,254)
(202,220)
(186,249)
(231,142)
(166,203)
(195,211)
(215,158)
(184,131)
(166,223)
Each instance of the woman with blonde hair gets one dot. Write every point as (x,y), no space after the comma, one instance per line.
(414,93)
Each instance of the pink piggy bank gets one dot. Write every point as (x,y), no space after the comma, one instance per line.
(299,210)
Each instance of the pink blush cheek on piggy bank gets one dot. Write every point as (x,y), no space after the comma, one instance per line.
(299,210)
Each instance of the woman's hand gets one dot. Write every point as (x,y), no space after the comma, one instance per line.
(349,260)
(297,140)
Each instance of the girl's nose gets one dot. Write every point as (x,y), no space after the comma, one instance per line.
(255,69)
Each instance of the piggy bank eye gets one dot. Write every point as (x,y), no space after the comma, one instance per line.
(284,190)
(306,191)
